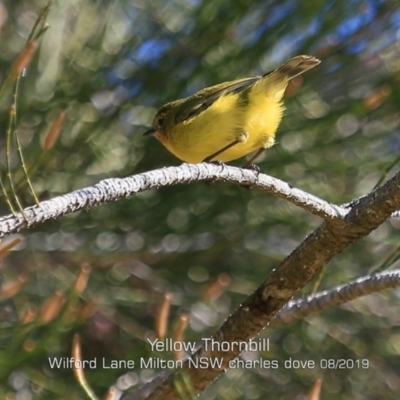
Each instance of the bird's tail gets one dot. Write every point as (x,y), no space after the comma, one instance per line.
(296,66)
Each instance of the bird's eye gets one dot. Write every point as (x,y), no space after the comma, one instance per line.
(160,122)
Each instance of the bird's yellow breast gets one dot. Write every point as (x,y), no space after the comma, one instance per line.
(252,119)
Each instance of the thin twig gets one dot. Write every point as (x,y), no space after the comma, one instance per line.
(299,309)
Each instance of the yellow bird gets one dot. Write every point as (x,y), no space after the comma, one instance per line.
(229,120)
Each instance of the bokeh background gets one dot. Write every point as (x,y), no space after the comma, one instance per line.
(108,65)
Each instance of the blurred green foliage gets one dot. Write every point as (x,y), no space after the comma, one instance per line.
(110,65)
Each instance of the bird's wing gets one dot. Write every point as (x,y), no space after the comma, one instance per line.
(200,101)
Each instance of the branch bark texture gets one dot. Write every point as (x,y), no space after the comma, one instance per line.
(117,188)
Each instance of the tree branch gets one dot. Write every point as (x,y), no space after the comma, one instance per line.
(117,188)
(307,260)
(298,309)
(343,226)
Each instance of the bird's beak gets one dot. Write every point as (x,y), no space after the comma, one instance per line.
(149,132)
